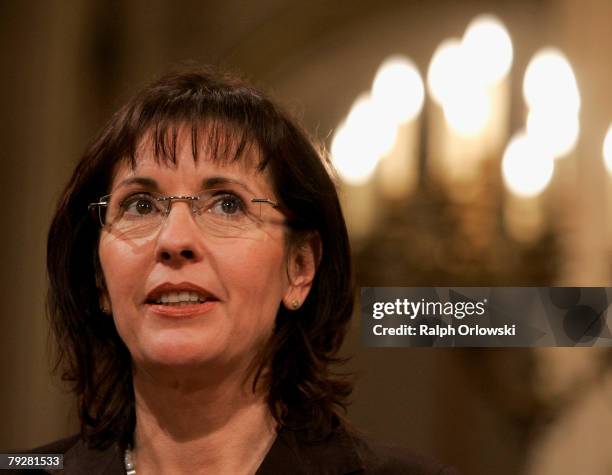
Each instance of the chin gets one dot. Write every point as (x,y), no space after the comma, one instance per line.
(180,351)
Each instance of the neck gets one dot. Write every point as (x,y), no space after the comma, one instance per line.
(211,427)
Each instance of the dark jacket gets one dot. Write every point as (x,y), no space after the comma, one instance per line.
(341,454)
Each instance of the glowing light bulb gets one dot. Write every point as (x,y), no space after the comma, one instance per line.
(553,131)
(487,49)
(550,83)
(607,149)
(398,90)
(353,167)
(371,127)
(443,68)
(468,113)
(361,141)
(527,169)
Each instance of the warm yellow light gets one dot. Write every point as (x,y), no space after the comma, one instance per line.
(487,49)
(526,168)
(556,132)
(371,127)
(607,149)
(398,89)
(461,74)
(468,112)
(353,167)
(443,70)
(550,83)
(479,60)
(361,141)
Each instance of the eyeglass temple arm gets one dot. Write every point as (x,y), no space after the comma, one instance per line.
(265,200)
(91,206)
(288,214)
(102,201)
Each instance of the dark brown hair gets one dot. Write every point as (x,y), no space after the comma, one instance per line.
(227,116)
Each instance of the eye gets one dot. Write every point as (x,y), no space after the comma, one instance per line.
(227,204)
(141,205)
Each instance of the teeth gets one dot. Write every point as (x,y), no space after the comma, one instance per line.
(180,298)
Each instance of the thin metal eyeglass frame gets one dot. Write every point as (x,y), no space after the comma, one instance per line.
(104,202)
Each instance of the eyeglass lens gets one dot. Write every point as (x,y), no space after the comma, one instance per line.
(218,212)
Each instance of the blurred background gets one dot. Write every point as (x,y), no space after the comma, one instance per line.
(473,144)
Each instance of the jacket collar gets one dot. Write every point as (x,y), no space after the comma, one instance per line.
(291,453)
(81,459)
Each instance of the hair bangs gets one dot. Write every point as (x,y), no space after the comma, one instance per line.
(219,133)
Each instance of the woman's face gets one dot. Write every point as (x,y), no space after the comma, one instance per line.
(237,280)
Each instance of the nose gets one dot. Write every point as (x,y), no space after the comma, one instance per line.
(179,240)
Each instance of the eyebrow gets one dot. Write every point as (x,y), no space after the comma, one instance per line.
(139,180)
(215,181)
(207,183)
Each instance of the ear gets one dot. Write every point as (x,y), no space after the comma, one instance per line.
(302,263)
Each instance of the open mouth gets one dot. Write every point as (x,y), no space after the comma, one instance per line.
(179,299)
(179,295)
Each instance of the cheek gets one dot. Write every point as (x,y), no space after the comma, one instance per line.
(123,267)
(254,268)
(255,278)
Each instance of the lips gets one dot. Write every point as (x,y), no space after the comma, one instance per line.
(180,302)
(183,293)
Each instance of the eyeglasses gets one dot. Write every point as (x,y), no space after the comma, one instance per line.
(221,212)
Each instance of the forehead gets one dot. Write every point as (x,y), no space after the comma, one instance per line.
(185,165)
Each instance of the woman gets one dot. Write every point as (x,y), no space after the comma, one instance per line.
(200,288)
